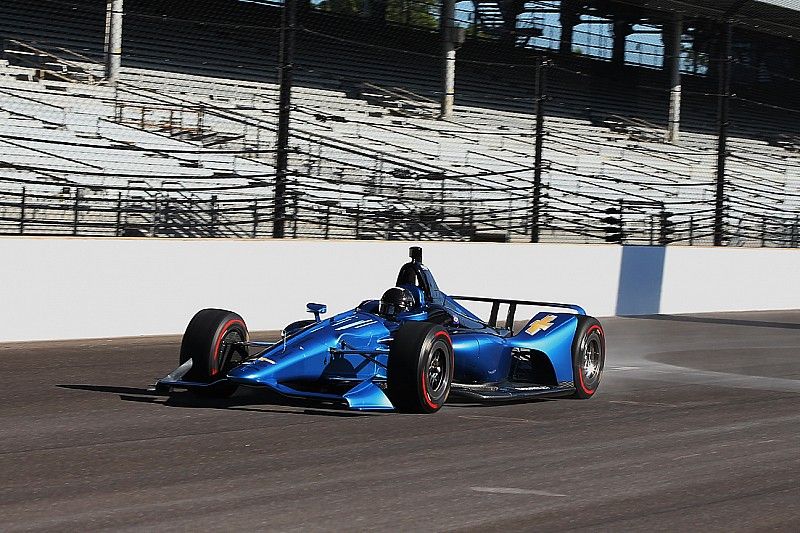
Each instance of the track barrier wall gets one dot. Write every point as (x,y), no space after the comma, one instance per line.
(72,288)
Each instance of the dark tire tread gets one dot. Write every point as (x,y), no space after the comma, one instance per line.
(199,342)
(587,325)
(408,355)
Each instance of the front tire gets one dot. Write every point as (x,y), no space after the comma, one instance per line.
(588,356)
(208,342)
(420,368)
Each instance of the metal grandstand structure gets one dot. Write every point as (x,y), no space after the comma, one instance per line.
(188,122)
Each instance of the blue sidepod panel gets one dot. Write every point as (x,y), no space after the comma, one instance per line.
(552,334)
(484,357)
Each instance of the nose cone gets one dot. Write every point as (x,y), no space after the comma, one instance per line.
(258,373)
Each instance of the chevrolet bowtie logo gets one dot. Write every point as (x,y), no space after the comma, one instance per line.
(543,324)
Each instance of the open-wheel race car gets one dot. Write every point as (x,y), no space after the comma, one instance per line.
(408,351)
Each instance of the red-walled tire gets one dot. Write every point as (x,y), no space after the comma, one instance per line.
(588,356)
(207,341)
(420,368)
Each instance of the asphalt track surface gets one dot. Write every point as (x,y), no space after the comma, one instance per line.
(696,425)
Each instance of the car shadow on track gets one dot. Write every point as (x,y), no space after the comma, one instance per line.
(259,401)
(243,400)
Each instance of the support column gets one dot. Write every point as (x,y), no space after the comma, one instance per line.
(113,40)
(672,60)
(569,18)
(286,66)
(537,156)
(622,28)
(448,27)
(722,123)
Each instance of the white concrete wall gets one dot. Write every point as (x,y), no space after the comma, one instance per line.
(62,288)
(730,279)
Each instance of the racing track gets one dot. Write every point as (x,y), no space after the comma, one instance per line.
(697,424)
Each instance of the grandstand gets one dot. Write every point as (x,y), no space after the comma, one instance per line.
(184,143)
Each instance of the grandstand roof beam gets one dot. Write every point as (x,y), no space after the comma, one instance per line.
(673,36)
(113,40)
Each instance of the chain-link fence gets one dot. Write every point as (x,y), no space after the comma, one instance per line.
(330,120)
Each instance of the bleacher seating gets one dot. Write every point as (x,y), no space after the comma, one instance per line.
(196,117)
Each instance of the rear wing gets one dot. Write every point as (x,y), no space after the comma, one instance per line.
(512,307)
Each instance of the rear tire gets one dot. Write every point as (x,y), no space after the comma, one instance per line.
(420,367)
(207,343)
(588,356)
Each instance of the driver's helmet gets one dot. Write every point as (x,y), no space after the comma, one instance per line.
(394,301)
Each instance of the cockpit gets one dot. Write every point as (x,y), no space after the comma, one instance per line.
(416,296)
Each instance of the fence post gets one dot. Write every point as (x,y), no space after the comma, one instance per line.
(214,215)
(255,218)
(164,216)
(537,160)
(75,208)
(154,227)
(22,212)
(358,220)
(667,227)
(722,123)
(119,214)
(295,213)
(691,230)
(327,221)
(763,231)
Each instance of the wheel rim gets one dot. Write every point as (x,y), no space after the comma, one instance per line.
(591,360)
(227,353)
(437,370)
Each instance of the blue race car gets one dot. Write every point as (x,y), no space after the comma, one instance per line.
(408,351)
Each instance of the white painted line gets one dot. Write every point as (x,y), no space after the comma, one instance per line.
(646,404)
(510,490)
(500,418)
(686,456)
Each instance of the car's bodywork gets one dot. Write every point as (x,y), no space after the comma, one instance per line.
(344,358)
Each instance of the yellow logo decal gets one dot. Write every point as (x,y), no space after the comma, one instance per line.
(543,324)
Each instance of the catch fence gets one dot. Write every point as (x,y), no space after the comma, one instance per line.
(237,119)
